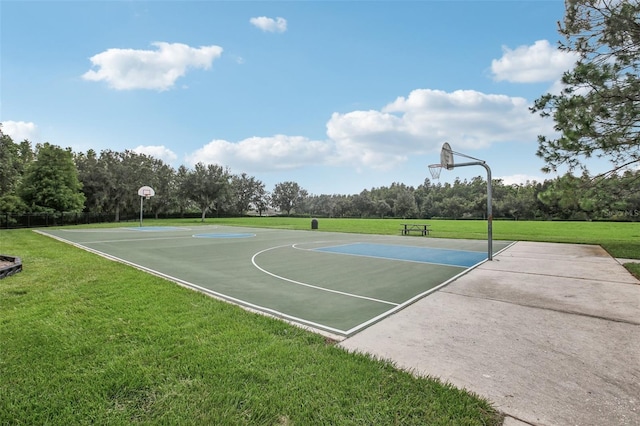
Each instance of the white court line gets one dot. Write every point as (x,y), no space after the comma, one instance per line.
(136,239)
(89,231)
(121,229)
(295,246)
(253,260)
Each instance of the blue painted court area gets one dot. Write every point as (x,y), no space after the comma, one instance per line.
(461,258)
(224,235)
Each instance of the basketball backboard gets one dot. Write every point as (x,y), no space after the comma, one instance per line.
(146,191)
(446,156)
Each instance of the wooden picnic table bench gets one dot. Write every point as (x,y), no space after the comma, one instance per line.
(407,228)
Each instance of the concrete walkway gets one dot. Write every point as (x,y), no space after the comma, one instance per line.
(549,333)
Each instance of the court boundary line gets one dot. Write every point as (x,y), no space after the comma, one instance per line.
(136,240)
(386,302)
(129,228)
(222,297)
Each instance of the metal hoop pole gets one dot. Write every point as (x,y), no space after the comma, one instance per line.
(489,204)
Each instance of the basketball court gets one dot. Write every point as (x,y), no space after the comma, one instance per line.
(337,283)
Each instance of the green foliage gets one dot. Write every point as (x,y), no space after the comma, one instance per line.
(12,204)
(163,181)
(246,191)
(13,160)
(118,176)
(51,182)
(598,111)
(93,176)
(208,187)
(288,196)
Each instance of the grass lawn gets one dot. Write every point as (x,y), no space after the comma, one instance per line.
(86,340)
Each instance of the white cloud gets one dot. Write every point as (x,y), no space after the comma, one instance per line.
(20,130)
(421,122)
(257,154)
(532,64)
(519,179)
(278,25)
(128,69)
(384,139)
(157,151)
(372,139)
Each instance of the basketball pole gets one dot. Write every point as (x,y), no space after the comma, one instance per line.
(144,192)
(446,161)
(489,204)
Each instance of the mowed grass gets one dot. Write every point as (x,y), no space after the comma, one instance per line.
(84,340)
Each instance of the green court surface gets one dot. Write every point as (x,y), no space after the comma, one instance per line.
(336,282)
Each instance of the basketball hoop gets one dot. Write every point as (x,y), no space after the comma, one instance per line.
(447,162)
(435,170)
(145,192)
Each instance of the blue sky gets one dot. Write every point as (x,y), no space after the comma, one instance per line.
(336,96)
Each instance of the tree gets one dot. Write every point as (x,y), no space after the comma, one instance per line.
(382,208)
(124,173)
(363,204)
(164,185)
(182,189)
(245,191)
(597,112)
(405,205)
(51,182)
(207,186)
(343,206)
(287,196)
(13,160)
(10,170)
(262,199)
(93,176)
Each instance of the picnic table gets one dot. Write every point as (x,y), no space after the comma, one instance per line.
(407,228)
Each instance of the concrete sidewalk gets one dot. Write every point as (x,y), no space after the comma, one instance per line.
(549,333)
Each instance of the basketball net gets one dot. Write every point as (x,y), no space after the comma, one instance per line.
(435,170)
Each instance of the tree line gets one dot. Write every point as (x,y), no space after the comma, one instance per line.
(48,178)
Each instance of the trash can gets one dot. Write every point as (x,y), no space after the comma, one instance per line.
(314,223)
